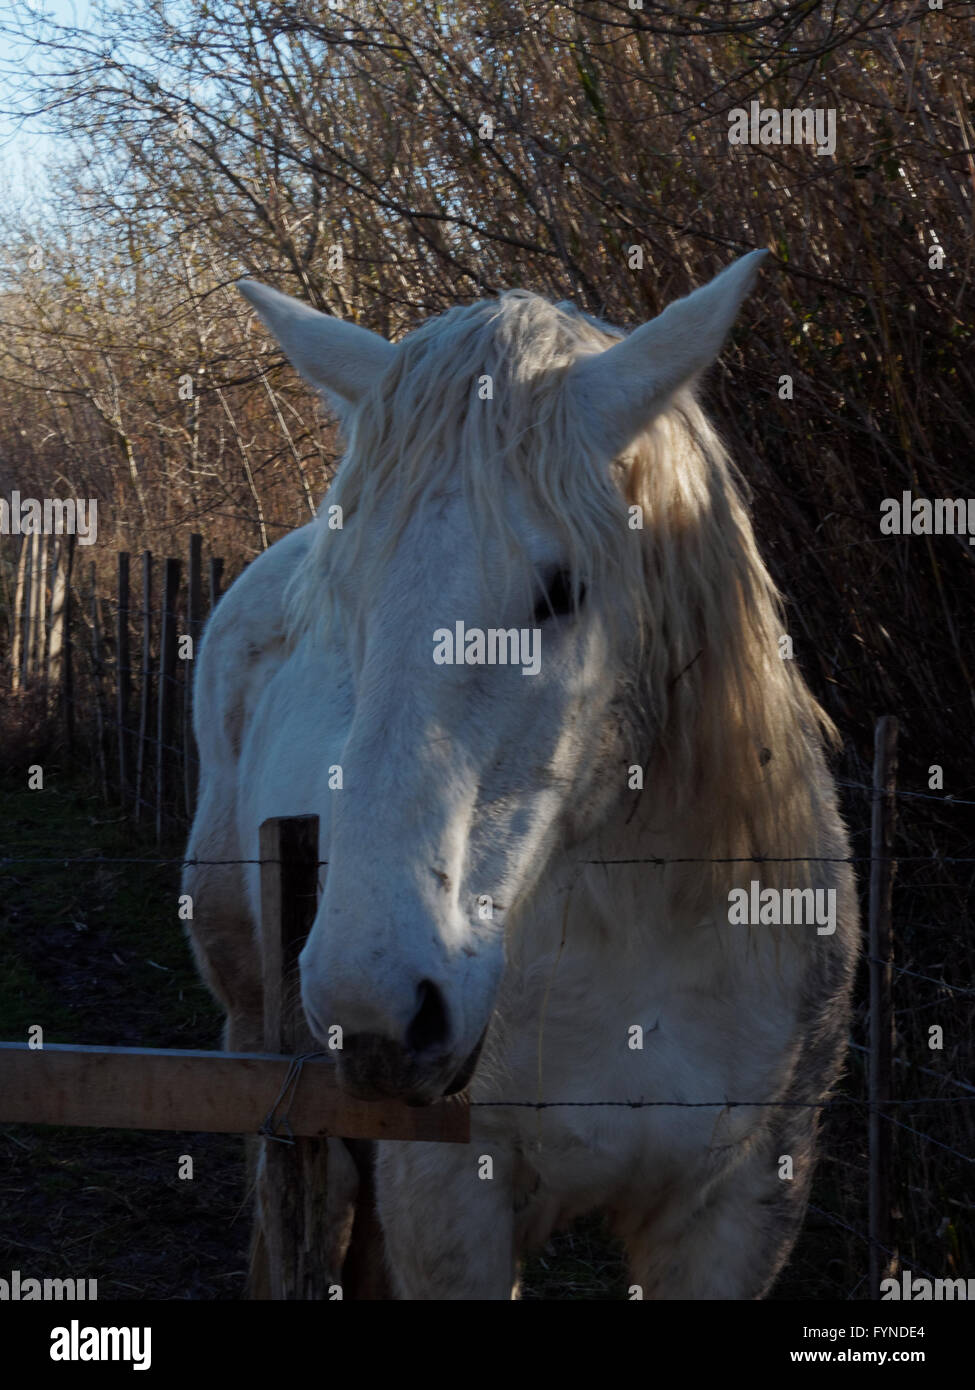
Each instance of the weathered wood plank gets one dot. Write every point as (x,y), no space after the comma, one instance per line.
(216,579)
(194,615)
(18,615)
(123,674)
(220,1092)
(166,695)
(145,685)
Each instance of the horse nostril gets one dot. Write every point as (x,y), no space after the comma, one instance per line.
(429,1026)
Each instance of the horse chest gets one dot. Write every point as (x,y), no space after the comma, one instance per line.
(618,1073)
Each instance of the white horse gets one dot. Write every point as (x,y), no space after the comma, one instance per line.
(526,668)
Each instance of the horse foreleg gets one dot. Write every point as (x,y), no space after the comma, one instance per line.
(730,1245)
(446,1214)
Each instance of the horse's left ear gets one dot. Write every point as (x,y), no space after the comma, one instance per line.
(619,391)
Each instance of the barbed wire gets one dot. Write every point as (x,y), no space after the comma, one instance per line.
(868,1240)
(148,737)
(798,859)
(135,610)
(656,862)
(834,1101)
(929,1138)
(903,970)
(916,1066)
(947,800)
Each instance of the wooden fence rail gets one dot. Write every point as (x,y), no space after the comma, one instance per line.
(199,1092)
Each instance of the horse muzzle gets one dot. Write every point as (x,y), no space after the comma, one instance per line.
(372,1067)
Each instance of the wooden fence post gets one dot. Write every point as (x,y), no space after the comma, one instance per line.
(42,610)
(123,674)
(17,616)
(97,668)
(302,1247)
(300,1264)
(145,683)
(51,658)
(883,820)
(67,686)
(36,600)
(166,693)
(30,578)
(216,577)
(194,614)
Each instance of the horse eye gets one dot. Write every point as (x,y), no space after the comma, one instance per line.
(557,600)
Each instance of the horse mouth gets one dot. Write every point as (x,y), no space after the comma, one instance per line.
(374,1070)
(462,1079)
(466,1074)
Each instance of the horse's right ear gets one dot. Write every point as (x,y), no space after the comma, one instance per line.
(339,359)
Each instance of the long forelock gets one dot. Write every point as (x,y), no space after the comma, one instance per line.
(474,400)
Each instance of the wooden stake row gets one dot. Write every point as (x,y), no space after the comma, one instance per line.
(152,750)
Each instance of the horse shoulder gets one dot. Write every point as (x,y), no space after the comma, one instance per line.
(242,647)
(233,664)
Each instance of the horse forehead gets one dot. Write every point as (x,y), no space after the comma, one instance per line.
(447,529)
(565,306)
